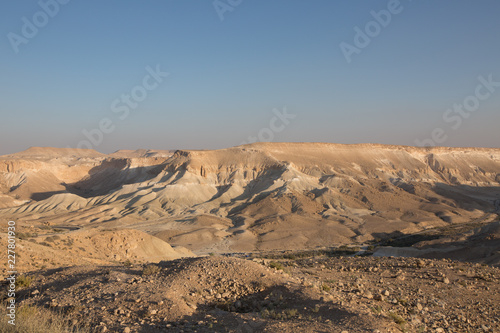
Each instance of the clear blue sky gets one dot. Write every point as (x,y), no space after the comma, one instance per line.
(226,76)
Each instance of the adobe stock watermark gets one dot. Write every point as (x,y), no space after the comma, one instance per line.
(277,124)
(11,270)
(363,37)
(455,115)
(122,107)
(31,27)
(223,6)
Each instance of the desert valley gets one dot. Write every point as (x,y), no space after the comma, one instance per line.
(271,237)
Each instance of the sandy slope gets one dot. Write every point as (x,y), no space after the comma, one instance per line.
(51,249)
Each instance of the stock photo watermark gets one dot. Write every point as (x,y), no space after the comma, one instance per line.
(224,6)
(363,37)
(11,271)
(31,27)
(277,124)
(455,115)
(122,106)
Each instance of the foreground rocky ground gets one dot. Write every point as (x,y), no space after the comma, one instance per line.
(322,294)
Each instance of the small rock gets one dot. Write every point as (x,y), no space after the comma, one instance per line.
(420,263)
(446,280)
(385,292)
(126,330)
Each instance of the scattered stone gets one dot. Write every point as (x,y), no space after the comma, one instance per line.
(198,295)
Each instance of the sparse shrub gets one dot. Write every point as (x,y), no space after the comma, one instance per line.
(127,263)
(224,305)
(267,313)
(283,315)
(376,309)
(76,308)
(151,269)
(326,287)
(25,235)
(35,319)
(23,281)
(402,301)
(397,318)
(290,313)
(276,265)
(316,308)
(211,254)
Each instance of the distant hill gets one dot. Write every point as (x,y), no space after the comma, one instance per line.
(261,196)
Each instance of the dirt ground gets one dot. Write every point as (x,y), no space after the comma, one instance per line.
(322,294)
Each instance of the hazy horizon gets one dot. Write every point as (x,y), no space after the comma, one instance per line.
(216,74)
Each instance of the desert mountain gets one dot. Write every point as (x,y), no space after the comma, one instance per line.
(261,196)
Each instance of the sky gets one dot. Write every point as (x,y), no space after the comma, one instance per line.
(177,74)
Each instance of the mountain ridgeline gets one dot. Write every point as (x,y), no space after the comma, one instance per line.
(261,196)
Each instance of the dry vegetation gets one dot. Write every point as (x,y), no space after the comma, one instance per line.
(36,319)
